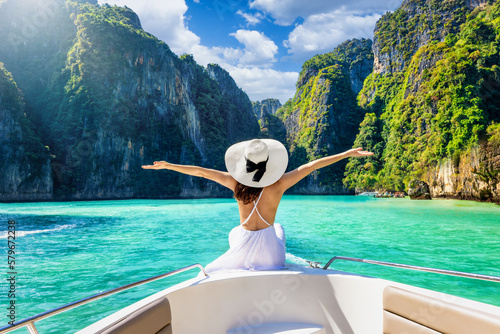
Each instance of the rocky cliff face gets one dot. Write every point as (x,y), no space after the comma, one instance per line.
(271,126)
(398,35)
(25,172)
(107,97)
(323,117)
(265,107)
(110,97)
(430,100)
(355,55)
(241,123)
(474,175)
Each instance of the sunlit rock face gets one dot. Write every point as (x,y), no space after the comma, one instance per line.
(107,97)
(323,117)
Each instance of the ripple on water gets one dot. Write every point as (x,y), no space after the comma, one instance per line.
(68,251)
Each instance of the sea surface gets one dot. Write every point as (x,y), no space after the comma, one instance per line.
(66,251)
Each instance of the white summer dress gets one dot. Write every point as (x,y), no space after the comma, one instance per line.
(253,250)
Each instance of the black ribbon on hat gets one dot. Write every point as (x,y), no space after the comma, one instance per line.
(260,168)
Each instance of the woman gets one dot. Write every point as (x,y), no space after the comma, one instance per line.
(256,175)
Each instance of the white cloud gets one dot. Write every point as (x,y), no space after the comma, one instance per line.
(259,49)
(220,55)
(285,12)
(251,19)
(261,84)
(248,65)
(321,33)
(258,83)
(165,21)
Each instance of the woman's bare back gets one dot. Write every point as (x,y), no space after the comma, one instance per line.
(267,208)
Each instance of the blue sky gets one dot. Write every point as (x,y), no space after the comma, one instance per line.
(261,43)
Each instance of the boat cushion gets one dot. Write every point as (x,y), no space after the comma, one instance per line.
(154,318)
(395,324)
(415,313)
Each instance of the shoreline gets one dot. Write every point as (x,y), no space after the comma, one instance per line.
(440,197)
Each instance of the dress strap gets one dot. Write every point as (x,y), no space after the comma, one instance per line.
(258,199)
(255,209)
(261,217)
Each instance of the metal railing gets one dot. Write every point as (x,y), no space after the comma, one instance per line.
(418,268)
(30,322)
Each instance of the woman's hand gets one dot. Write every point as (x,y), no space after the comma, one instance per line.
(157,165)
(358,152)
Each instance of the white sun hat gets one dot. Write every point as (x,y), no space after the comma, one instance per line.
(257,163)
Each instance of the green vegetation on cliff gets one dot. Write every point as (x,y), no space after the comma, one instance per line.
(23,156)
(350,54)
(109,97)
(437,107)
(323,117)
(416,23)
(19,134)
(271,126)
(110,49)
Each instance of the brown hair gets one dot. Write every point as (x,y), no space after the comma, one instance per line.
(246,194)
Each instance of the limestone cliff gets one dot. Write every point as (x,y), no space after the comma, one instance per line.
(241,121)
(265,107)
(323,117)
(475,174)
(107,97)
(398,35)
(431,99)
(271,126)
(25,172)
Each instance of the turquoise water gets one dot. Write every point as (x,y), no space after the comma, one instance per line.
(68,251)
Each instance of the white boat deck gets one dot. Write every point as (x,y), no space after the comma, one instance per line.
(297,300)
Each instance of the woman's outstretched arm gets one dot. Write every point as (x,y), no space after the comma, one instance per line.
(222,178)
(294,176)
